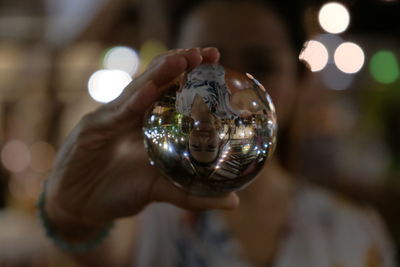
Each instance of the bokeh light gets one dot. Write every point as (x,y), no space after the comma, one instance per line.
(106,85)
(315,55)
(121,58)
(149,50)
(349,57)
(334,17)
(42,156)
(15,156)
(384,67)
(335,79)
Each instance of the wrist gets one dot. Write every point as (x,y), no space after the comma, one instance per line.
(66,231)
(70,228)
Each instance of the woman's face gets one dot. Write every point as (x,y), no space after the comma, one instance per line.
(203,143)
(251,38)
(203,139)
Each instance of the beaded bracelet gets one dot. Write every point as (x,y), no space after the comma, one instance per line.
(59,242)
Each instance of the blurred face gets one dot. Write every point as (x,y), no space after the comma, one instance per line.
(203,139)
(251,38)
(203,143)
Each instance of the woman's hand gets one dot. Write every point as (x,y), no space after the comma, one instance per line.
(102,171)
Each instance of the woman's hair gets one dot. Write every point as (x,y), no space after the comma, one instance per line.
(289,11)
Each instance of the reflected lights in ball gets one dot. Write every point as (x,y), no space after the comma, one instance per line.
(335,79)
(106,85)
(334,17)
(315,55)
(349,57)
(384,67)
(121,58)
(42,156)
(15,156)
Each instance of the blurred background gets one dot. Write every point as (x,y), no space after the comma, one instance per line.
(61,59)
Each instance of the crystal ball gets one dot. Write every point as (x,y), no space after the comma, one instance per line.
(212,130)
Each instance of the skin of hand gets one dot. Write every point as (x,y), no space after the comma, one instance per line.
(101,171)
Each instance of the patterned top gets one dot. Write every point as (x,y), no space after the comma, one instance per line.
(323,231)
(208,82)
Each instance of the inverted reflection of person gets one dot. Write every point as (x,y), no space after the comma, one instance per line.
(206,98)
(204,140)
(205,144)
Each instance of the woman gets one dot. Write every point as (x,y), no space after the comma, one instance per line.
(101,172)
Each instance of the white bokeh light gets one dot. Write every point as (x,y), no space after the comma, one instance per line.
(315,55)
(349,57)
(122,58)
(334,17)
(106,85)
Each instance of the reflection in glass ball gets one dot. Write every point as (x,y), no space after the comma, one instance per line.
(212,130)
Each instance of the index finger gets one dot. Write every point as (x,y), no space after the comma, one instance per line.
(163,70)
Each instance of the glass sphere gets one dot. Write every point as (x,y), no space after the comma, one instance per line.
(212,130)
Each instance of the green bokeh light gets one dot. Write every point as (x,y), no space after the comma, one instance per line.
(149,50)
(384,67)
